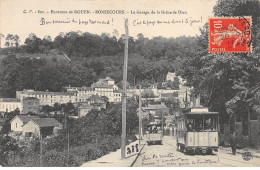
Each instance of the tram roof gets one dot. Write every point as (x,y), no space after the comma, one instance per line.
(201,113)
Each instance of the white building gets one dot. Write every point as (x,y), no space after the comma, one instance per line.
(81,94)
(10,104)
(46,97)
(107,87)
(19,121)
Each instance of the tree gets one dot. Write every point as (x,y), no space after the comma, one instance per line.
(223,80)
(8,116)
(147,93)
(7,147)
(33,44)
(9,40)
(173,104)
(1,36)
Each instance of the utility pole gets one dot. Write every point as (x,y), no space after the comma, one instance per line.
(162,123)
(68,147)
(140,117)
(123,136)
(41,150)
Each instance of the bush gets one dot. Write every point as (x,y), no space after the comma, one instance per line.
(61,159)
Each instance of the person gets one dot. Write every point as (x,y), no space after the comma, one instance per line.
(150,129)
(128,150)
(155,130)
(133,148)
(136,147)
(233,143)
(190,126)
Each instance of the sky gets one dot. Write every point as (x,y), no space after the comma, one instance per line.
(167,18)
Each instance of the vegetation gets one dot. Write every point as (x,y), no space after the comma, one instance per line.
(90,137)
(227,83)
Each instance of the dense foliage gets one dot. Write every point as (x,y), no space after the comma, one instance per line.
(90,137)
(228,83)
(79,59)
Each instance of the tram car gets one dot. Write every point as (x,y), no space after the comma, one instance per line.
(197,131)
(154,133)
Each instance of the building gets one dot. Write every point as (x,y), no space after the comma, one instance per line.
(46,97)
(170,76)
(184,96)
(41,126)
(169,96)
(30,104)
(81,94)
(156,109)
(97,102)
(105,87)
(19,121)
(10,104)
(83,109)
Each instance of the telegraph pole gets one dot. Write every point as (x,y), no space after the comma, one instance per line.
(123,136)
(68,147)
(41,150)
(140,116)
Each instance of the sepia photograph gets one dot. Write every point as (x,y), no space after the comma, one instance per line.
(129,83)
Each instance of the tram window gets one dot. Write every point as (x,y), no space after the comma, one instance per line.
(210,122)
(195,123)
(190,124)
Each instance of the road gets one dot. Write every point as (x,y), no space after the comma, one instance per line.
(166,155)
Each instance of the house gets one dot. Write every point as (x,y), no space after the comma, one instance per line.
(19,121)
(84,109)
(10,104)
(97,102)
(41,126)
(30,104)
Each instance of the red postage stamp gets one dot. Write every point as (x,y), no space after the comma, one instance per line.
(230,35)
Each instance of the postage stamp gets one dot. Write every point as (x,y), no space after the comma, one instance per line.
(230,35)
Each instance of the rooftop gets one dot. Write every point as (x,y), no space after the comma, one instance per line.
(26,118)
(80,88)
(45,93)
(9,100)
(30,98)
(169,95)
(85,106)
(46,122)
(101,84)
(94,97)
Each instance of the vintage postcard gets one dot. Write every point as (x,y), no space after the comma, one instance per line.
(129,83)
